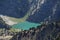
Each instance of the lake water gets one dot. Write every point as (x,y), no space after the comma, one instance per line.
(25,25)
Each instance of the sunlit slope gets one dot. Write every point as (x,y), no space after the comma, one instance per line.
(19,19)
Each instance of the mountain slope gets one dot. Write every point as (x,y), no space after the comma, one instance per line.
(38,10)
(14,8)
(11,20)
(45,10)
(42,32)
(18,20)
(2,23)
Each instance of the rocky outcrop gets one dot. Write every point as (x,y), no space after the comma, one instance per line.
(7,20)
(43,32)
(42,9)
(3,24)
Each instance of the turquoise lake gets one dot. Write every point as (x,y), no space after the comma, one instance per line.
(25,25)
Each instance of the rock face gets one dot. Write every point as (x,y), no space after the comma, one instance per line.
(43,32)
(3,24)
(42,9)
(7,20)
